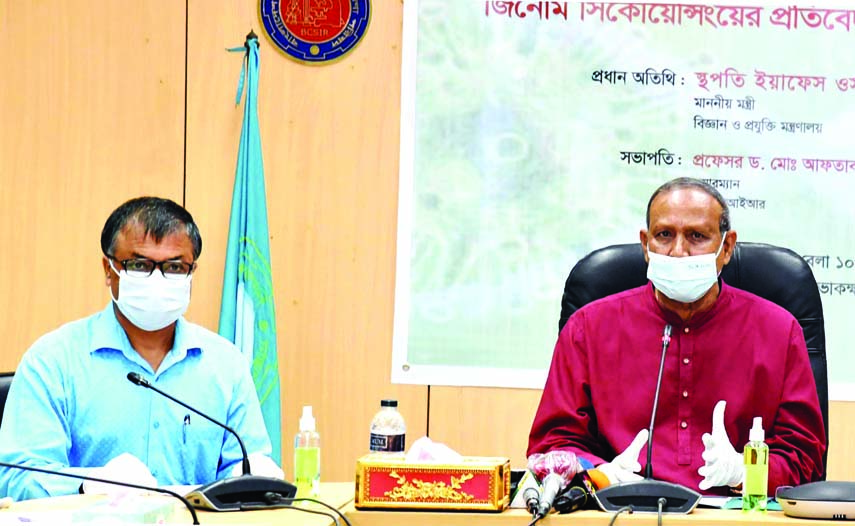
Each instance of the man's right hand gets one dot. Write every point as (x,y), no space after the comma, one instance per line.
(625,467)
(123,468)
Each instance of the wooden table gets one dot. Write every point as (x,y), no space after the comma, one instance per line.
(517,517)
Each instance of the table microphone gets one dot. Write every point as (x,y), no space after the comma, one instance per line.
(554,469)
(531,496)
(105,481)
(645,495)
(234,493)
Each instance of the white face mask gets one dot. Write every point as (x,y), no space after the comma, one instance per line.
(683,279)
(154,302)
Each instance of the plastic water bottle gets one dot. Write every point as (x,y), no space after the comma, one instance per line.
(388,430)
(756,456)
(307,456)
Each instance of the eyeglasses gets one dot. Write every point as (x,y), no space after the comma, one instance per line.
(143,268)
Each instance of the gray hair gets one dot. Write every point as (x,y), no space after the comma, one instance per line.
(689,182)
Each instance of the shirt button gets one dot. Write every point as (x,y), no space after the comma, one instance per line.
(685,394)
(686,330)
(684,424)
(686,361)
(156,425)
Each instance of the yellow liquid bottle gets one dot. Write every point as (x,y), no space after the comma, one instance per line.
(307,456)
(756,458)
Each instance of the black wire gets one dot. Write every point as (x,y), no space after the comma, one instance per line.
(285,503)
(537,517)
(324,504)
(618,512)
(318,512)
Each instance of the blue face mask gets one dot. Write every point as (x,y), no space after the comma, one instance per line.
(684,279)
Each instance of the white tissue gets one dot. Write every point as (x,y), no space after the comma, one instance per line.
(426,450)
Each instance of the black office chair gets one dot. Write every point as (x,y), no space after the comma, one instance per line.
(774,273)
(5,383)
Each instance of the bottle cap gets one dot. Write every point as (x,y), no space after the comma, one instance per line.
(757,434)
(307,421)
(388,403)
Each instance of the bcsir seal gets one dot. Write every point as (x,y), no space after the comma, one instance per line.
(315,31)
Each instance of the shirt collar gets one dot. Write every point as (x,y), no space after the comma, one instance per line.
(109,335)
(725,295)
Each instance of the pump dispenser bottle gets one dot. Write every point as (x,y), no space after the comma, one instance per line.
(307,456)
(756,456)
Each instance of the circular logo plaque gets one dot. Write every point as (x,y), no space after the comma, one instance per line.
(315,31)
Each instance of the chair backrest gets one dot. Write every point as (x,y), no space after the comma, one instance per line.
(774,273)
(5,383)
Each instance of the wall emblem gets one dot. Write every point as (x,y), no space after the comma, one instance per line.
(315,31)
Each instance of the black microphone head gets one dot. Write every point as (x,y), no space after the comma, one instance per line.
(135,378)
(571,499)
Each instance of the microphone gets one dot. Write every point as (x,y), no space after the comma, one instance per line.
(647,495)
(235,493)
(135,378)
(532,500)
(575,497)
(554,469)
(666,340)
(105,481)
(580,491)
(594,480)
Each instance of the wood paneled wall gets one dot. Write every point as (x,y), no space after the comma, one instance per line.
(91,114)
(92,106)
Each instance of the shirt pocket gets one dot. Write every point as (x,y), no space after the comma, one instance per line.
(201,443)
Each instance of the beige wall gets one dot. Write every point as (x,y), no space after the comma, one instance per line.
(91,113)
(92,105)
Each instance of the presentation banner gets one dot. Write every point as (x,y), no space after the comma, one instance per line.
(534,132)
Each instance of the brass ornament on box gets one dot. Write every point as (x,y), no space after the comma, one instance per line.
(475,483)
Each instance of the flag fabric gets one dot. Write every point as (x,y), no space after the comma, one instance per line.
(247,314)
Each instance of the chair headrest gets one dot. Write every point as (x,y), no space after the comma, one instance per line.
(775,273)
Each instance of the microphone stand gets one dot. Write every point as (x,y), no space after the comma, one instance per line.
(105,481)
(234,493)
(646,495)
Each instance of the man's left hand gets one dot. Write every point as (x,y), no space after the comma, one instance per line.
(723,466)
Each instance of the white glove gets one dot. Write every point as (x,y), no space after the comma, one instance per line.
(260,465)
(123,468)
(723,466)
(625,467)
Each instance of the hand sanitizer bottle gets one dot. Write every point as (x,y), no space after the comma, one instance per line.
(307,456)
(756,456)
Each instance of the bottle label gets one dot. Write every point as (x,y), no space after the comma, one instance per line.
(756,470)
(756,479)
(307,470)
(387,443)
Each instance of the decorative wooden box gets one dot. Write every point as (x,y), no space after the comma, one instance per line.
(478,483)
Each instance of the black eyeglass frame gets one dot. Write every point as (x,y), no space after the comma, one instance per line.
(156,265)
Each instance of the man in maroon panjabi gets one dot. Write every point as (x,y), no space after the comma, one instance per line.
(726,345)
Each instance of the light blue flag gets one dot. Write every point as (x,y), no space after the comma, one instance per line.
(247,316)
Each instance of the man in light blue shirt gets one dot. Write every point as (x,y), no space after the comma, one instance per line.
(71,407)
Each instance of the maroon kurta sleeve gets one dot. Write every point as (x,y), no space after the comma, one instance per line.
(565,418)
